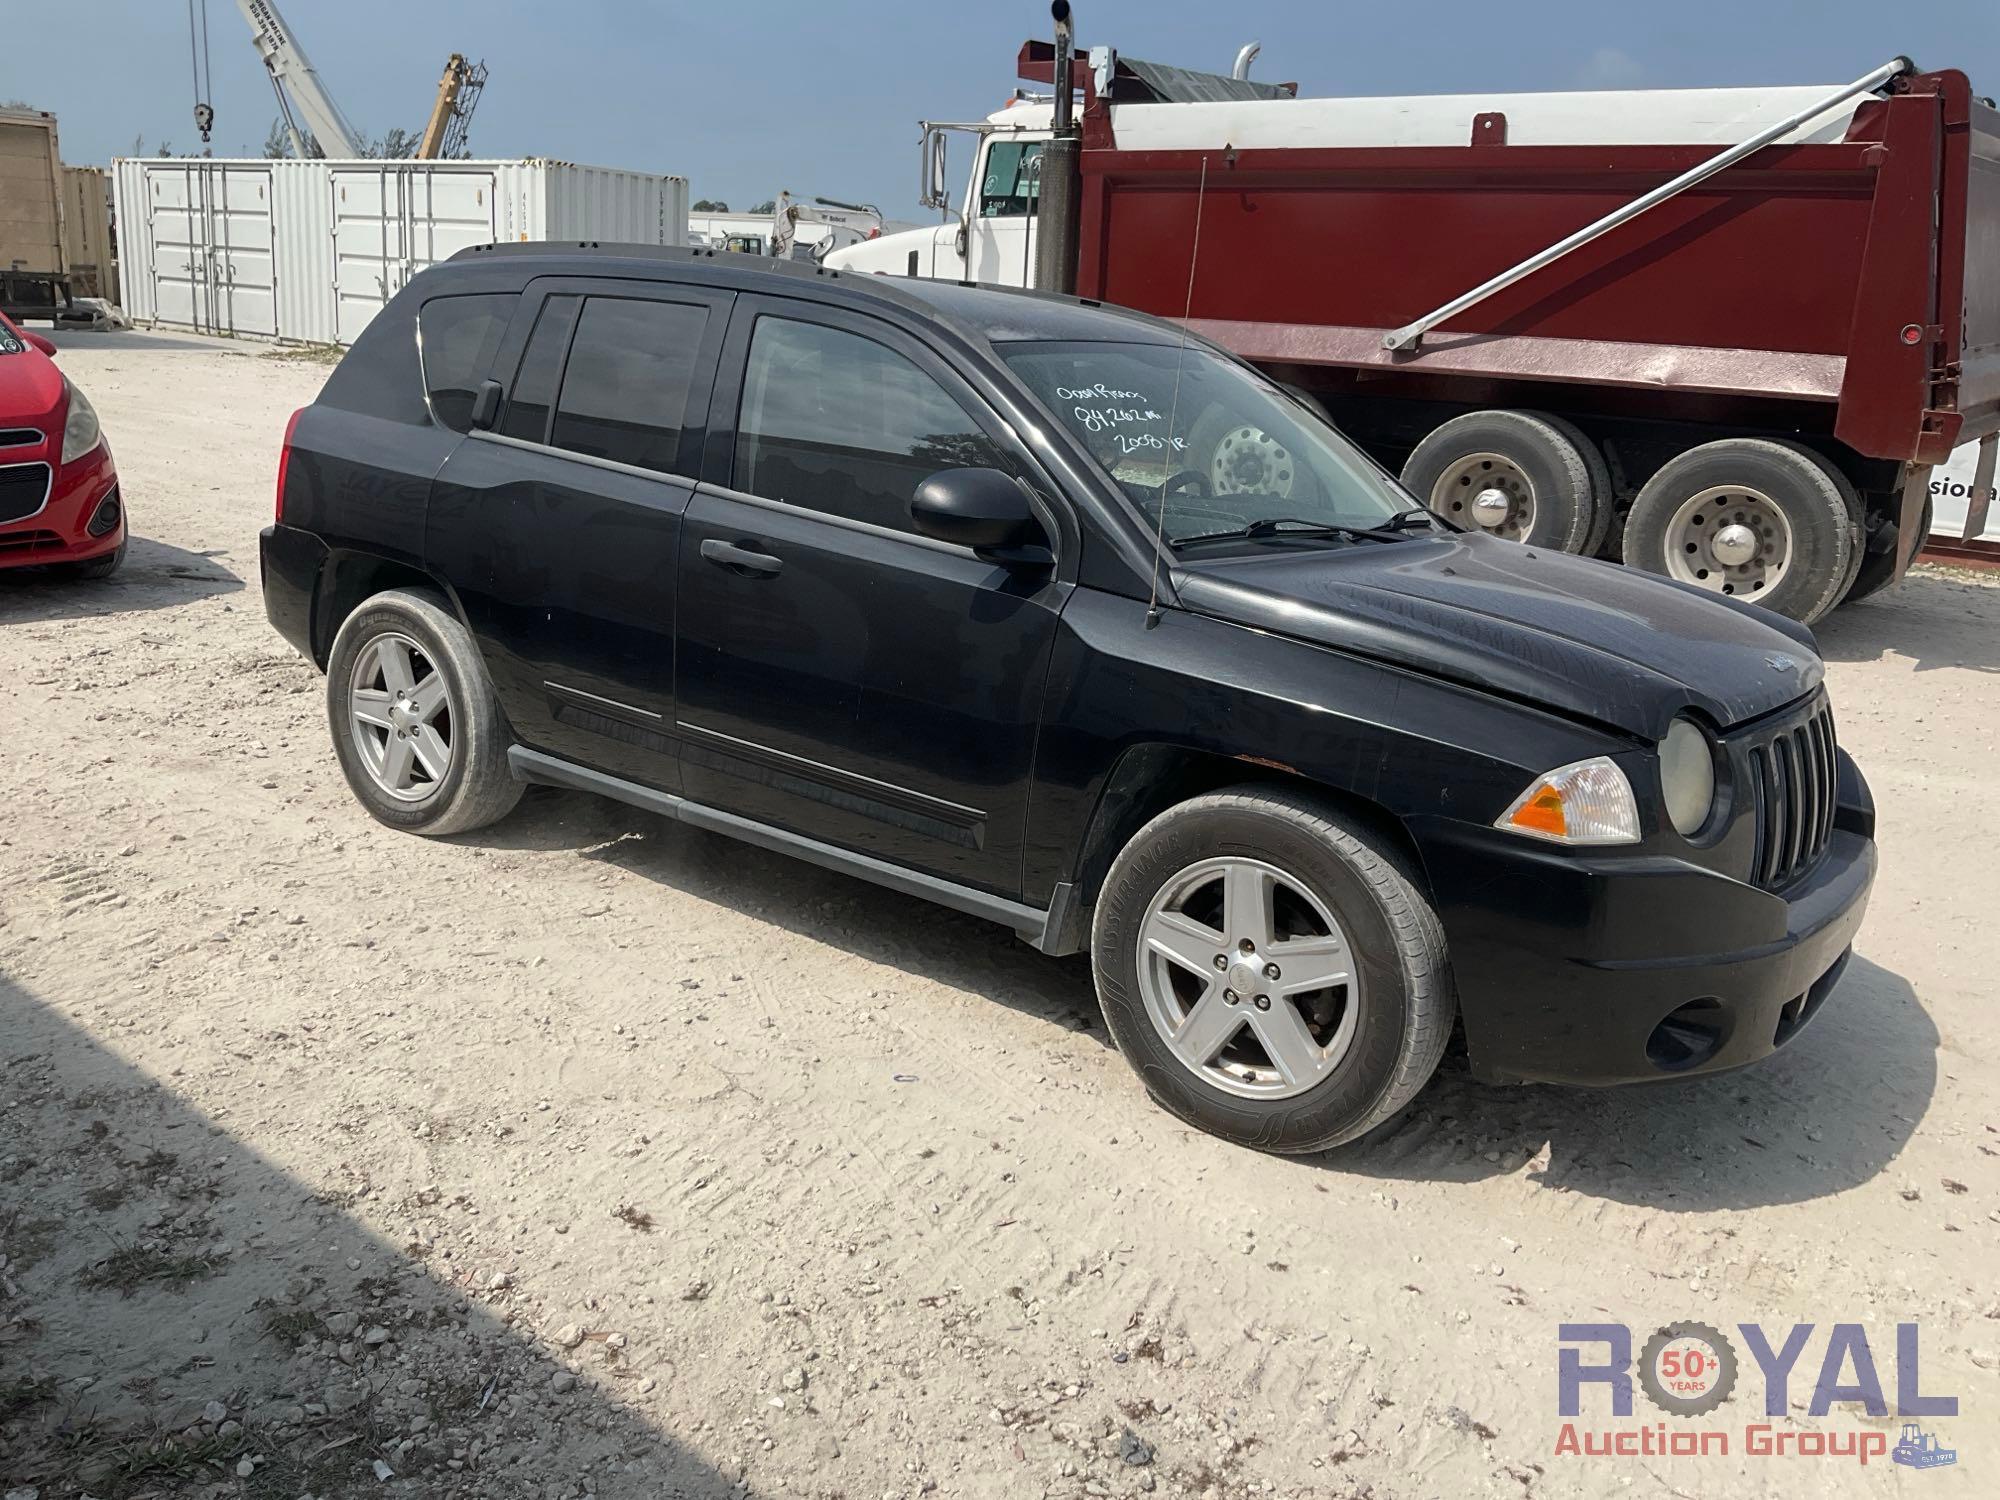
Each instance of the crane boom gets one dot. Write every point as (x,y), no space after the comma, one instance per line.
(292,72)
(432,140)
(458,91)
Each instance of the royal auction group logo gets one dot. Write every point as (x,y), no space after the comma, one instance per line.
(1690,1371)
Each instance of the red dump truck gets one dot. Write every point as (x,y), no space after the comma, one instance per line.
(1723,334)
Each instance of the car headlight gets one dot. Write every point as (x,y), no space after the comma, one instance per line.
(1687,776)
(82,431)
(1586,802)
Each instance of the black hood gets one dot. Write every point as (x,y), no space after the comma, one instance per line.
(1579,636)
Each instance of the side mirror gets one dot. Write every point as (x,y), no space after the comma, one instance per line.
(36,341)
(983,509)
(936,190)
(486,405)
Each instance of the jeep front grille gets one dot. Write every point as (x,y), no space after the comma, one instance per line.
(1792,786)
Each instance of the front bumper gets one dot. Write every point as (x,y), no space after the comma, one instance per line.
(1583,967)
(60,530)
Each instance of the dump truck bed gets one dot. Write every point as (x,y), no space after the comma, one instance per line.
(1829,274)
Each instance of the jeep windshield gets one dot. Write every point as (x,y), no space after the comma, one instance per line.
(1206,449)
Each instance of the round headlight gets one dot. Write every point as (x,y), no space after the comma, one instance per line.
(1687,776)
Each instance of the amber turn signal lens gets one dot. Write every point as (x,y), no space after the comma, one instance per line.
(1542,812)
(1588,802)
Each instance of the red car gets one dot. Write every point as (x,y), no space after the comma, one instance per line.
(59,499)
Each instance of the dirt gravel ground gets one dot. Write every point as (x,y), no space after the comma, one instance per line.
(591,1155)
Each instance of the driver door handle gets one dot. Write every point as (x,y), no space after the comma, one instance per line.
(741,559)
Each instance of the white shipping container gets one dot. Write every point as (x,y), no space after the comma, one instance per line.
(309,251)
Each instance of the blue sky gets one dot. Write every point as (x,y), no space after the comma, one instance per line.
(744,97)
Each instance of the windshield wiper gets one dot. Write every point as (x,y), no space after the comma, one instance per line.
(1391,530)
(1405,520)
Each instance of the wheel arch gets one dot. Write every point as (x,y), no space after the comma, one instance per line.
(348,579)
(1147,779)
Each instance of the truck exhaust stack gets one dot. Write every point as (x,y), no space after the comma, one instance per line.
(1062,172)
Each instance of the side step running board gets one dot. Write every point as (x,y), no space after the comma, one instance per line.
(1049,930)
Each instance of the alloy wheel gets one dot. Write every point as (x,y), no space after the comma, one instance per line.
(1248,978)
(400,717)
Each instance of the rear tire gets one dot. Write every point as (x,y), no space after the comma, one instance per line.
(1343,1000)
(1754,518)
(1878,569)
(1556,485)
(418,731)
(1605,509)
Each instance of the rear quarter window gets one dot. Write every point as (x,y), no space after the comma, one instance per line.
(459,337)
(381,375)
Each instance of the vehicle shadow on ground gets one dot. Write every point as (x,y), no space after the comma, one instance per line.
(1931,619)
(144,341)
(1829,1112)
(155,576)
(180,1316)
(884,926)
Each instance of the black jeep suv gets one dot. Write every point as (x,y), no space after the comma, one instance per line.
(1055,614)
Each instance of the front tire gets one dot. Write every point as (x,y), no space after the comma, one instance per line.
(97,567)
(419,734)
(1272,973)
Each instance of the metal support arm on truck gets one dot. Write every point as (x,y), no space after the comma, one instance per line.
(1410,334)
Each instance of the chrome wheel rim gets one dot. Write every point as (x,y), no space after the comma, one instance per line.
(1487,490)
(1247,977)
(1249,461)
(1731,540)
(400,717)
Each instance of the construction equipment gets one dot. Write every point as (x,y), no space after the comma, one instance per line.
(301,96)
(314,124)
(845,224)
(451,117)
(1918,1449)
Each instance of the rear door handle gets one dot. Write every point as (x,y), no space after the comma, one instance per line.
(741,559)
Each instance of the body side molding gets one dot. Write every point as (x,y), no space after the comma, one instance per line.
(1035,925)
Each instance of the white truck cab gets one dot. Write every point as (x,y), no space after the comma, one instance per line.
(992,239)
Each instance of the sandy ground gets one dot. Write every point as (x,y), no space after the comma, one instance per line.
(588,1154)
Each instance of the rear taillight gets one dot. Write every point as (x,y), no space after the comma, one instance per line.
(285,463)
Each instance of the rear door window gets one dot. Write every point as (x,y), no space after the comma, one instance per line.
(534,393)
(625,388)
(458,337)
(839,423)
